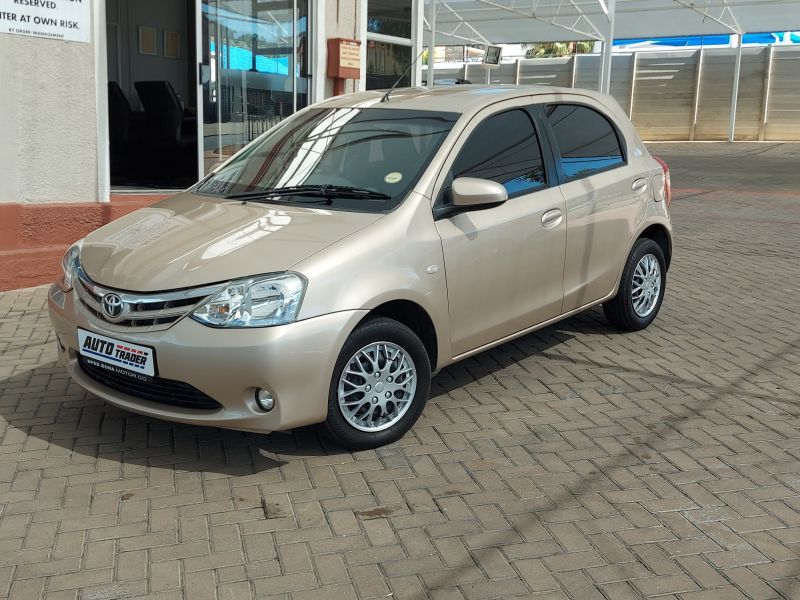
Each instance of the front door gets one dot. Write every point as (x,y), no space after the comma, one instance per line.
(504,264)
(253,71)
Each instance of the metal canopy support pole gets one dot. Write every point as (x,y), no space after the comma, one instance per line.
(608,46)
(735,94)
(765,94)
(698,80)
(295,72)
(631,98)
(574,73)
(417,28)
(431,42)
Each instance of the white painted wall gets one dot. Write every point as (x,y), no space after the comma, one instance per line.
(49,119)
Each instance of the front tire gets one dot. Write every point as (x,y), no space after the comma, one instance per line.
(641,289)
(379,386)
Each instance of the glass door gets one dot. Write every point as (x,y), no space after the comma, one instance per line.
(253,71)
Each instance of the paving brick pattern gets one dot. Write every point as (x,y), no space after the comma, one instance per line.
(577,462)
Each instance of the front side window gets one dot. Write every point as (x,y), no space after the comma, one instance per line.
(505,149)
(380,153)
(586,140)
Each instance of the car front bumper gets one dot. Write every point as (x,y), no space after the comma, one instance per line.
(293,362)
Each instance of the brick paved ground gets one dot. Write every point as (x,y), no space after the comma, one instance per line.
(576,462)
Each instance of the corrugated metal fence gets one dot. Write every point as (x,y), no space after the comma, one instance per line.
(678,94)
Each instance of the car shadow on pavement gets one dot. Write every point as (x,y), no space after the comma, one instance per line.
(522,351)
(45,404)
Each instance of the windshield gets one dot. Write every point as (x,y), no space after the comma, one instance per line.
(376,153)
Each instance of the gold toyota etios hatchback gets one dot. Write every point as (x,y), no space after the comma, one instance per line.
(322,273)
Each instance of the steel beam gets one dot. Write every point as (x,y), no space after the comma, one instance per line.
(532,15)
(734,28)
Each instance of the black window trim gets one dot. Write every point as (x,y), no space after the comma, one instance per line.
(553,143)
(551,176)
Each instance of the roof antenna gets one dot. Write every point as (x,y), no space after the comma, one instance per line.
(399,79)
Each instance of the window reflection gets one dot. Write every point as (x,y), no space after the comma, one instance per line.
(272,221)
(374,149)
(389,17)
(505,149)
(256,57)
(386,63)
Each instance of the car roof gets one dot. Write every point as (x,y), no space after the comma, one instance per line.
(449,98)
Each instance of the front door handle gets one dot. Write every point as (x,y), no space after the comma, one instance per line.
(639,185)
(552,218)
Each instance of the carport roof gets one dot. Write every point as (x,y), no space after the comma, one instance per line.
(515,21)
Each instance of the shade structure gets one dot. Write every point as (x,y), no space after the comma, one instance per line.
(516,21)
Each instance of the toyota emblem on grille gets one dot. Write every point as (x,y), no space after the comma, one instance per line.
(113,308)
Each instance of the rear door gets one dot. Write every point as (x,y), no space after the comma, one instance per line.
(605,190)
(504,264)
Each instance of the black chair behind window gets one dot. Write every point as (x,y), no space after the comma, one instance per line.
(171,135)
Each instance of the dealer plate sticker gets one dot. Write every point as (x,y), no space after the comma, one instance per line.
(131,357)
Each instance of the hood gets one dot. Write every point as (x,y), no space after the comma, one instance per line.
(190,240)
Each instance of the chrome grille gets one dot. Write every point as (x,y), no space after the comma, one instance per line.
(140,310)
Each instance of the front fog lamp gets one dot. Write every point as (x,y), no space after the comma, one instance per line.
(264,400)
(69,263)
(256,302)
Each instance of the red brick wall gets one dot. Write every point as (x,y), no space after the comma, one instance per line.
(34,237)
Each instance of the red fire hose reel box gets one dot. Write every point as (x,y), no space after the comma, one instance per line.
(344,61)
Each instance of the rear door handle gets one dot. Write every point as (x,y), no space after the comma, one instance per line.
(639,185)
(552,218)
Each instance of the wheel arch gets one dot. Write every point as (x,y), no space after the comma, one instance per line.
(661,236)
(416,318)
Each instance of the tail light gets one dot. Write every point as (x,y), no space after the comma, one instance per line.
(667,183)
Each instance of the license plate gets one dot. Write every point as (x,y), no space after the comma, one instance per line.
(127,358)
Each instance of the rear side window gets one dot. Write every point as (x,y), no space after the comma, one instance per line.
(586,140)
(505,149)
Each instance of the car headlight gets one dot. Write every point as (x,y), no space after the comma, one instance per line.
(254,302)
(69,264)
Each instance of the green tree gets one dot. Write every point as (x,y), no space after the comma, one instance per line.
(554,49)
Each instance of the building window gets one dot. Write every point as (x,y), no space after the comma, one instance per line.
(386,63)
(389,17)
(389,44)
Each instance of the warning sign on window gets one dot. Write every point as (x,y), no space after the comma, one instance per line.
(68,20)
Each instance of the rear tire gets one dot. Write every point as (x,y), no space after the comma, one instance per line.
(641,289)
(379,386)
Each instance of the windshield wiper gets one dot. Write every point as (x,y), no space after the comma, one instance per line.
(320,191)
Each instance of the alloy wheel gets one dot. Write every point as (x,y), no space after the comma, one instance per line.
(377,386)
(646,288)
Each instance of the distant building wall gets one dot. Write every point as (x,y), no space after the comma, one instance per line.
(677,94)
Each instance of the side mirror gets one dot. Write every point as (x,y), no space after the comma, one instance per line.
(471,192)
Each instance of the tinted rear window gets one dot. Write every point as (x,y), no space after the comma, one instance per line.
(587,142)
